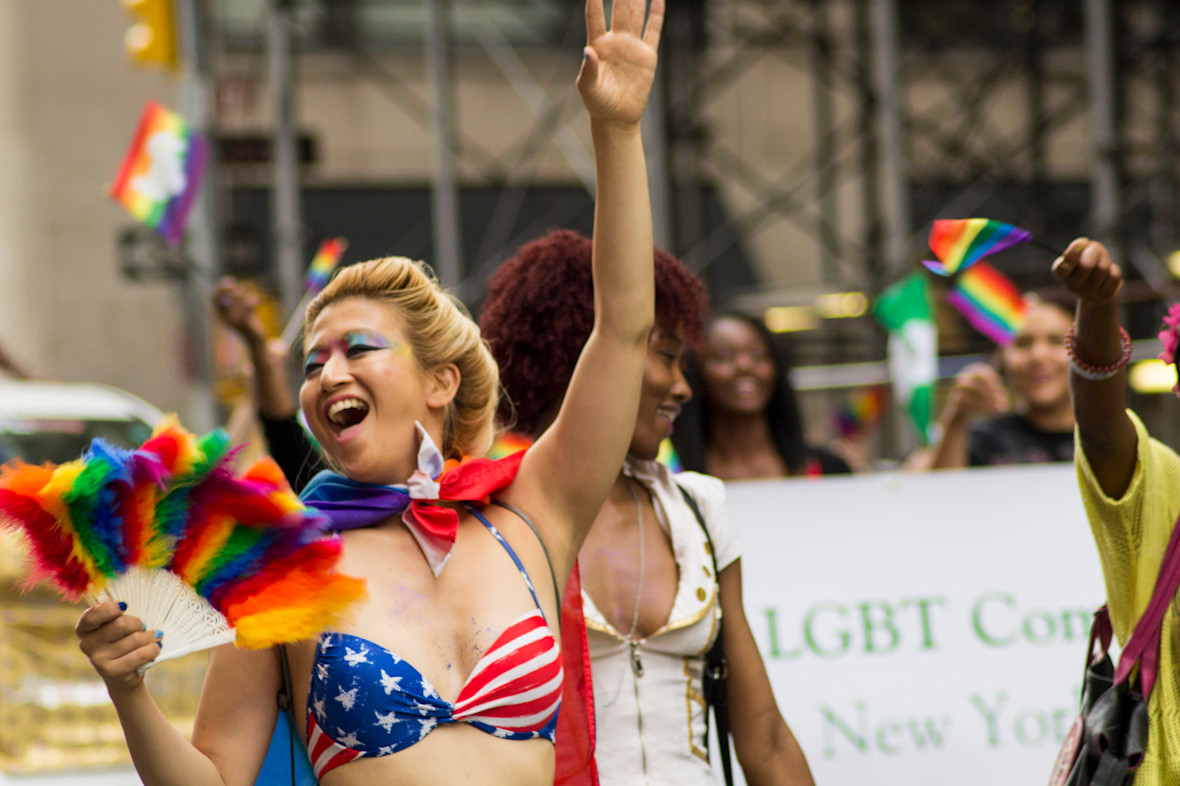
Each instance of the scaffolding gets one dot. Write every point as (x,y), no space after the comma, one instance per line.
(1057,118)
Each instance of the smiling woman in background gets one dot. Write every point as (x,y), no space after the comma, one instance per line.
(981,426)
(745,422)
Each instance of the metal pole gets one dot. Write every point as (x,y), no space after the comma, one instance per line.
(678,58)
(875,261)
(893,159)
(830,250)
(204,246)
(444,196)
(894,436)
(654,128)
(1105,207)
(1034,60)
(285,202)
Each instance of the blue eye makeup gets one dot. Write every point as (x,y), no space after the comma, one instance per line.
(353,343)
(315,360)
(365,339)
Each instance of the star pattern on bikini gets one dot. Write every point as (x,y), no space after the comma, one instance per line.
(388,705)
(347,697)
(354,658)
(385,720)
(390,683)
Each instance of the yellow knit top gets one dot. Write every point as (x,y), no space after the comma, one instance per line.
(1132,534)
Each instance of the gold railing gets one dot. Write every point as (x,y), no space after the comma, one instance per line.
(54,709)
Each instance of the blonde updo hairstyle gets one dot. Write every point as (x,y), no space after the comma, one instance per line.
(439,330)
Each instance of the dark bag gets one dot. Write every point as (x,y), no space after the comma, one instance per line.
(716,669)
(1107,742)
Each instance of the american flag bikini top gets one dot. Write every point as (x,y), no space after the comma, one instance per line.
(364,700)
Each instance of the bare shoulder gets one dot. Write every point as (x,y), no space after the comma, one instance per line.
(527,493)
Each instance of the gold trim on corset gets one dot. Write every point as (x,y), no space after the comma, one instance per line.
(691,694)
(597,626)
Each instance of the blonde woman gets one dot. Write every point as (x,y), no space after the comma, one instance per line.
(397,379)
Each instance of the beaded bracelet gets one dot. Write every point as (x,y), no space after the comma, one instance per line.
(1097,373)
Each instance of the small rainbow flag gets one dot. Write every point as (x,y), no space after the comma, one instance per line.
(161,172)
(989,301)
(507,443)
(669,457)
(862,412)
(324,262)
(960,243)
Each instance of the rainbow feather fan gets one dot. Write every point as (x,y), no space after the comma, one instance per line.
(204,554)
(960,243)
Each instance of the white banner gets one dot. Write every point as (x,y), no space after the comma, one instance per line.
(922,629)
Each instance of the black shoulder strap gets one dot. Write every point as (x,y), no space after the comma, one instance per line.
(286,704)
(548,560)
(715,672)
(696,511)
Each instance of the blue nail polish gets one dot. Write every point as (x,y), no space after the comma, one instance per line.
(122,606)
(159,634)
(160,644)
(144,625)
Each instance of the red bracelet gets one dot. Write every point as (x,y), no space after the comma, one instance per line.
(1097,373)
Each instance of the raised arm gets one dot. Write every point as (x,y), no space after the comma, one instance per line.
(978,391)
(1105,432)
(571,467)
(238,308)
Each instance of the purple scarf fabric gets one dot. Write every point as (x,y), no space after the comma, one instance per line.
(350,504)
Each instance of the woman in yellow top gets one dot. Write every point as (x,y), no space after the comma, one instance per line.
(1130,485)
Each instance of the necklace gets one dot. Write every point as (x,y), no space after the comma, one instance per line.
(636,663)
(629,638)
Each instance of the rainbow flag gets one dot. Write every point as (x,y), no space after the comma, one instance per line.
(161,172)
(862,412)
(960,243)
(989,301)
(507,443)
(669,457)
(323,263)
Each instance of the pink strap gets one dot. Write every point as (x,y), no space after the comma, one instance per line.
(1144,642)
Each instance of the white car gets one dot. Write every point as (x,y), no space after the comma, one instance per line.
(55,421)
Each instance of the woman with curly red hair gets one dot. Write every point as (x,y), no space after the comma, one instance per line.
(652,600)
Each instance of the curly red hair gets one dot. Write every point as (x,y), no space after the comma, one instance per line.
(539,312)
